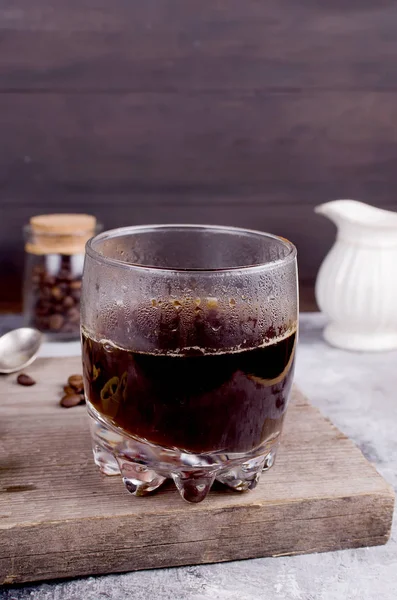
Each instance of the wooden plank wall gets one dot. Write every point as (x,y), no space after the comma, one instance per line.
(219,111)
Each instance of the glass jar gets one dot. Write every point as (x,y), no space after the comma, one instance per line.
(54,246)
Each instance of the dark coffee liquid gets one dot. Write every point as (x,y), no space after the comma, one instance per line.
(194,401)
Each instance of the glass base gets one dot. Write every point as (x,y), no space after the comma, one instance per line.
(145,466)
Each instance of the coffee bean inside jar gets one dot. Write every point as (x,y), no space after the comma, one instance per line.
(54,265)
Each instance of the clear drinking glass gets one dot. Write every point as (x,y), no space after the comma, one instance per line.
(189,336)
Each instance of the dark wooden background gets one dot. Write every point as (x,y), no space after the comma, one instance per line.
(219,111)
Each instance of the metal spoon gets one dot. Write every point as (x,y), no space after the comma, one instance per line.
(19,348)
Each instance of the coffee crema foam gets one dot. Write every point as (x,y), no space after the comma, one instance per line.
(192,350)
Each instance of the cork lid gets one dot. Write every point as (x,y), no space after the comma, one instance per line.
(60,233)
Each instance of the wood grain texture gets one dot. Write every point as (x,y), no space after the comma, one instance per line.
(288,147)
(259,161)
(174,45)
(170,110)
(59,517)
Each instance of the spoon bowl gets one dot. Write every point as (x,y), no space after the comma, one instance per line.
(19,348)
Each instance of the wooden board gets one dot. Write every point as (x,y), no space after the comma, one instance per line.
(59,517)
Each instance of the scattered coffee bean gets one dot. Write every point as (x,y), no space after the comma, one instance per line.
(76,382)
(24,379)
(74,392)
(71,400)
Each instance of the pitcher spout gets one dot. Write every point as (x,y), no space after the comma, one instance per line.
(358,213)
(334,210)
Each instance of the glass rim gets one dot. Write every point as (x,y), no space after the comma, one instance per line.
(119,231)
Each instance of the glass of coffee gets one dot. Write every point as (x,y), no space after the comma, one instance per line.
(189,336)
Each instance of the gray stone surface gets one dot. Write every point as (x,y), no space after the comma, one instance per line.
(358,392)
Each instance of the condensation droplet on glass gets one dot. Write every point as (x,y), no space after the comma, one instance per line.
(232,303)
(154,302)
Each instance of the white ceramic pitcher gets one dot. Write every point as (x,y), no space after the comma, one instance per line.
(356,285)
